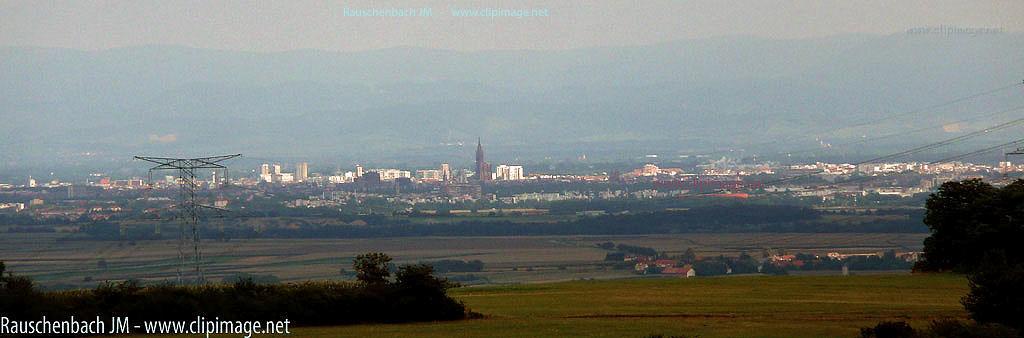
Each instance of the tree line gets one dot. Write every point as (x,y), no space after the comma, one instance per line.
(704,219)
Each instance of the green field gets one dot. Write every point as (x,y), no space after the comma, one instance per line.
(737,306)
(54,262)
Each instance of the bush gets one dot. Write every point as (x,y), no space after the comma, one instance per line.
(615,256)
(947,328)
(19,297)
(710,267)
(258,279)
(955,328)
(772,269)
(637,250)
(996,294)
(888,330)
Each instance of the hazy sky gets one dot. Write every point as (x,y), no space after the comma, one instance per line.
(286,25)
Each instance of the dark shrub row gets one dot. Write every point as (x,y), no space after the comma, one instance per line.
(415,294)
(945,328)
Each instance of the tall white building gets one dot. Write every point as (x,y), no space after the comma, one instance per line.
(446,172)
(265,175)
(301,171)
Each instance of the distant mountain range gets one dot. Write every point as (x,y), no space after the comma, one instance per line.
(757,94)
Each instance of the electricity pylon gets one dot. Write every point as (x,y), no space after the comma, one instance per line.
(1006,159)
(189,214)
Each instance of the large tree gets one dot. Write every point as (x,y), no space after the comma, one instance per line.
(970,219)
(979,229)
(372,268)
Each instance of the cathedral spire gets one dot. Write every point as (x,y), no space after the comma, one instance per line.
(483,170)
(479,152)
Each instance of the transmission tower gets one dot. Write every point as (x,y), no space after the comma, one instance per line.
(1006,158)
(189,208)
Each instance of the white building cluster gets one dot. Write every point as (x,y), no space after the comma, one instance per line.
(274,173)
(509,172)
(392,174)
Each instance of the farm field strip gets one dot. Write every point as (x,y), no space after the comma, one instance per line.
(54,261)
(735,306)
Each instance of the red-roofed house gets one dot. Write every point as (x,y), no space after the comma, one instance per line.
(665,263)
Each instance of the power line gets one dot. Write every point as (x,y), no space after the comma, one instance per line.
(947,141)
(905,113)
(913,131)
(919,149)
(943,104)
(978,152)
(927,146)
(945,160)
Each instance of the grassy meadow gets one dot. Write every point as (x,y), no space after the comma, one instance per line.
(736,306)
(744,306)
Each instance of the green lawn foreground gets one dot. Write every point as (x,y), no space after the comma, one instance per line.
(735,306)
